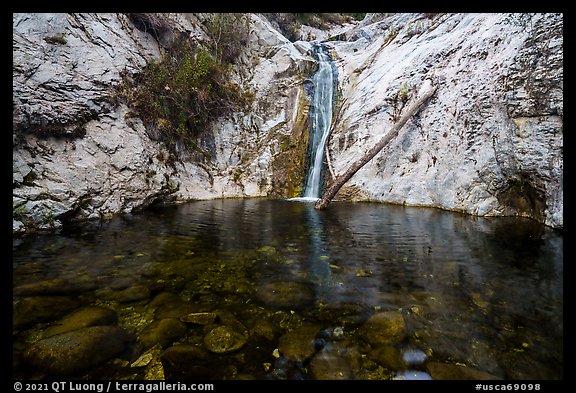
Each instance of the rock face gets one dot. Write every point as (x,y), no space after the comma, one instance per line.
(77,155)
(488,143)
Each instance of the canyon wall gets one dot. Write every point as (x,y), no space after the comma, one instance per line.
(488,143)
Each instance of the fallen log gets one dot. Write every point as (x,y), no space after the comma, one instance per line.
(331,191)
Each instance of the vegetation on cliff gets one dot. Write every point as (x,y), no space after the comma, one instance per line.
(180,95)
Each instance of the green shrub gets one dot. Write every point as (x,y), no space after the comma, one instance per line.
(180,95)
(229,33)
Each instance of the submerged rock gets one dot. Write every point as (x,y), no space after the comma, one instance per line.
(170,305)
(224,339)
(154,370)
(388,357)
(78,350)
(386,327)
(285,294)
(55,286)
(163,332)
(264,329)
(298,344)
(85,317)
(181,356)
(30,310)
(451,371)
(132,294)
(185,361)
(328,364)
(199,318)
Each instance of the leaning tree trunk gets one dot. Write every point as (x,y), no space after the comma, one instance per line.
(342,179)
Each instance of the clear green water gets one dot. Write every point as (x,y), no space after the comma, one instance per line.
(485,294)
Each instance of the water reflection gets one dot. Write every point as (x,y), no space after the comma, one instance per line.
(482,292)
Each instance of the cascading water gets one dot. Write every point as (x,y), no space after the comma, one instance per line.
(321,120)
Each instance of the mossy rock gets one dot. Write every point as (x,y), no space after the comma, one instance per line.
(224,339)
(387,327)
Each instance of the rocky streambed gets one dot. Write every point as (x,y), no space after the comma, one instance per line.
(167,337)
(186,293)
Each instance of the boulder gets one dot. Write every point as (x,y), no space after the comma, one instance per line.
(78,350)
(387,327)
(84,317)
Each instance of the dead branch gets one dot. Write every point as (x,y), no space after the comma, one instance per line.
(329,194)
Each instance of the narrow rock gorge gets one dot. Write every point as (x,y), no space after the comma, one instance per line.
(489,143)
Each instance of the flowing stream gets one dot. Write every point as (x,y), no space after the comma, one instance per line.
(321,120)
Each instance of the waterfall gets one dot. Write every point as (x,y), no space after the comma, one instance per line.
(320,121)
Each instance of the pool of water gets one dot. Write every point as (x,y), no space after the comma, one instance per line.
(273,289)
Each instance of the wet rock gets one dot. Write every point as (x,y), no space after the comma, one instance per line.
(162,299)
(154,370)
(162,332)
(200,318)
(227,318)
(169,305)
(77,350)
(85,317)
(119,283)
(263,329)
(387,327)
(184,362)
(387,357)
(31,310)
(285,294)
(346,314)
(180,356)
(55,286)
(224,339)
(133,294)
(244,377)
(451,371)
(328,364)
(298,344)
